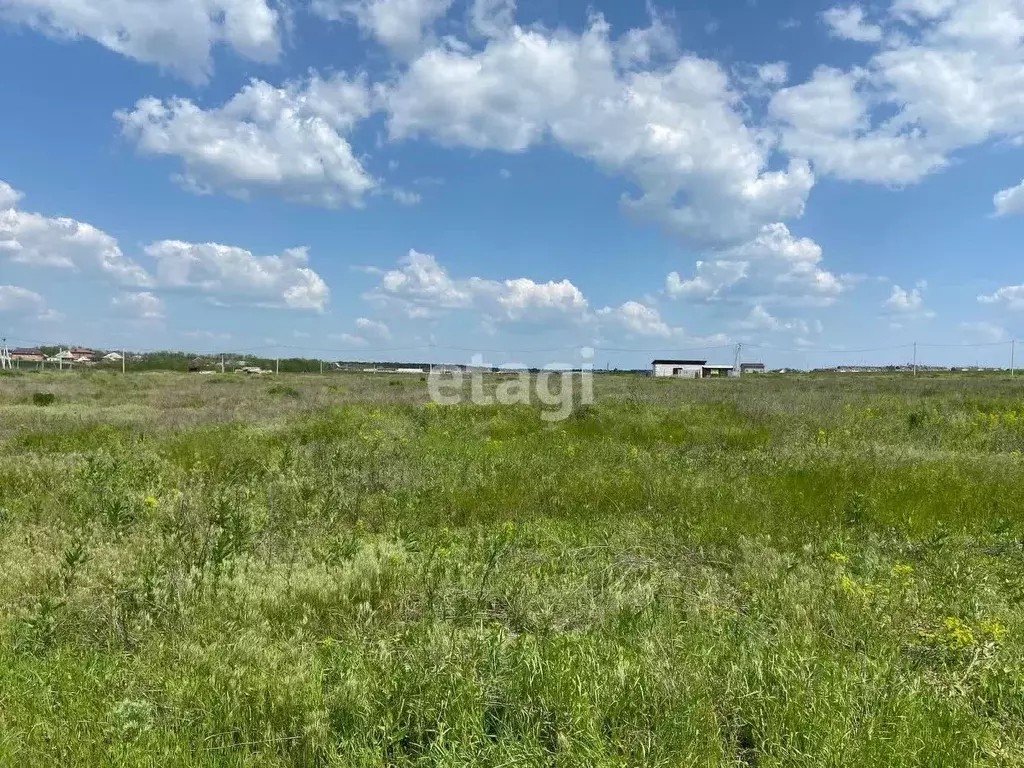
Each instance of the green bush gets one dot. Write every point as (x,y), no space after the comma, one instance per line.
(42,399)
(284,391)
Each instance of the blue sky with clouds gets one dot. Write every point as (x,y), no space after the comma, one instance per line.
(415,179)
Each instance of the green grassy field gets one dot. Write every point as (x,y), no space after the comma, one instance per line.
(307,570)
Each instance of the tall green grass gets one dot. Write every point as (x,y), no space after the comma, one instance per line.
(329,571)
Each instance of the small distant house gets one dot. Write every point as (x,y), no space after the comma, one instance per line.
(113,357)
(64,356)
(751,368)
(82,354)
(28,355)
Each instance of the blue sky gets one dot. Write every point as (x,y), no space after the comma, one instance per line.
(422,179)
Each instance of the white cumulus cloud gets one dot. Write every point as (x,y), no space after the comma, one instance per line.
(402,26)
(221,271)
(1010,201)
(760,319)
(949,78)
(423,288)
(289,141)
(828,119)
(850,24)
(676,131)
(13,298)
(283,280)
(492,18)
(1011,295)
(373,328)
(638,319)
(62,243)
(774,267)
(909,303)
(177,35)
(143,305)
(710,280)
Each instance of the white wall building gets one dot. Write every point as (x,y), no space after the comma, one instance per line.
(680,369)
(690,369)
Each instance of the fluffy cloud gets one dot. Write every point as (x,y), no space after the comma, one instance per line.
(62,243)
(218,270)
(143,305)
(399,25)
(776,73)
(177,35)
(492,18)
(774,267)
(828,119)
(760,319)
(677,132)
(1011,295)
(227,271)
(21,300)
(522,297)
(1010,201)
(949,77)
(910,303)
(710,280)
(288,141)
(424,289)
(373,328)
(849,24)
(9,196)
(638,319)
(366,330)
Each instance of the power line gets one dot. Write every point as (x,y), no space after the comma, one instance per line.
(829,350)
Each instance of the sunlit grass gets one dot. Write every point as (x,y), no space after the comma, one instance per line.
(331,571)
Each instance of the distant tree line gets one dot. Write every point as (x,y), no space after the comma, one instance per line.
(168,360)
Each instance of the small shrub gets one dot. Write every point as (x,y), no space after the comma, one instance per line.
(284,391)
(43,399)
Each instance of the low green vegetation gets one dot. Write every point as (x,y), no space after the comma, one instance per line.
(329,570)
(43,399)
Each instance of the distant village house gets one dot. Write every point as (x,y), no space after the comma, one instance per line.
(28,355)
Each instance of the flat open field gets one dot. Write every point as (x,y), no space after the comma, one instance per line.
(328,570)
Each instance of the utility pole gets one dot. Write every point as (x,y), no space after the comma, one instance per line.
(1013,344)
(124,357)
(321,367)
(915,358)
(60,357)
(737,366)
(277,367)
(5,356)
(222,363)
